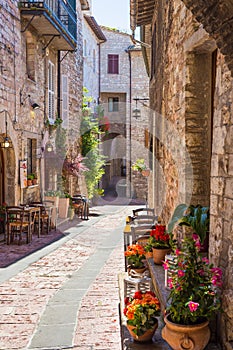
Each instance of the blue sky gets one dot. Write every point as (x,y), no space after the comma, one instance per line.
(112,13)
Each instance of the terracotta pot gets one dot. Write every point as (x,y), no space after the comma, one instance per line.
(183,337)
(148,335)
(137,270)
(159,255)
(146,172)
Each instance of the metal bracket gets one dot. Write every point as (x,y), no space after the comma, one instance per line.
(28,24)
(54,36)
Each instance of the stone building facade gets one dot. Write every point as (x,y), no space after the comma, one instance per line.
(123,78)
(191,86)
(41,66)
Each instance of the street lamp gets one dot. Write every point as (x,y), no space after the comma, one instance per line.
(6,142)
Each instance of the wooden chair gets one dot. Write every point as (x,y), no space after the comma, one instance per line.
(145,220)
(45,218)
(53,212)
(17,224)
(143,211)
(140,231)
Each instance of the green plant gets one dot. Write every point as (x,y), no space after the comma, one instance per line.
(30,176)
(135,255)
(139,165)
(141,311)
(195,285)
(52,193)
(90,142)
(196,217)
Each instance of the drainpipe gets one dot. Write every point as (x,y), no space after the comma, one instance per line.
(99,67)
(130,120)
(59,83)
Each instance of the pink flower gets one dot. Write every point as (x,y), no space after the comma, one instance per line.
(217,276)
(170,283)
(201,272)
(181,273)
(177,252)
(166,265)
(193,306)
(205,260)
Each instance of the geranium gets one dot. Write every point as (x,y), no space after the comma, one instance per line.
(135,254)
(195,285)
(159,238)
(141,311)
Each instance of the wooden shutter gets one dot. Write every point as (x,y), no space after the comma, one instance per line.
(51,94)
(113,64)
(65,101)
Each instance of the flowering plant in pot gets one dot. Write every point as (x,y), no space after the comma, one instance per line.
(135,255)
(141,312)
(160,242)
(194,292)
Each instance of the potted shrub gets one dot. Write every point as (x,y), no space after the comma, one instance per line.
(194,298)
(141,167)
(160,242)
(30,178)
(63,205)
(141,312)
(135,255)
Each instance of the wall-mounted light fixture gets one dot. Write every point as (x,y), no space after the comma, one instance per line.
(137,111)
(6,142)
(32,104)
(49,147)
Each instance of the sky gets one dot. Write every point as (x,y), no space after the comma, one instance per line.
(112,13)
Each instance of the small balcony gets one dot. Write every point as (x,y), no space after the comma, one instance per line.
(55,19)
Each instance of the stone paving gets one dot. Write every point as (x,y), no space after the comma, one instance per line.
(66,295)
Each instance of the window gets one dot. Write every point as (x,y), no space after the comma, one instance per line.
(113,104)
(51,94)
(113,64)
(31,156)
(65,101)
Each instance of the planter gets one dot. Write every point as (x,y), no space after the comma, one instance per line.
(159,255)
(136,270)
(146,172)
(148,335)
(187,337)
(63,207)
(29,183)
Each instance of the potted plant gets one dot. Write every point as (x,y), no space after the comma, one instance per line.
(30,178)
(63,205)
(135,255)
(194,298)
(140,166)
(141,312)
(160,241)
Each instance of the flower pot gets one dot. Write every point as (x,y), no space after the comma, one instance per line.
(138,270)
(29,182)
(159,255)
(146,172)
(148,335)
(187,337)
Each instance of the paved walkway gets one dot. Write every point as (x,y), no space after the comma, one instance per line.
(42,294)
(65,295)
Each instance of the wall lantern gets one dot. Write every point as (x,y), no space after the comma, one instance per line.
(137,111)
(33,105)
(49,147)
(6,142)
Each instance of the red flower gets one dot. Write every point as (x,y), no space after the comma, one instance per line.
(137,295)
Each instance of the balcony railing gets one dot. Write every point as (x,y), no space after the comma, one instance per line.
(59,12)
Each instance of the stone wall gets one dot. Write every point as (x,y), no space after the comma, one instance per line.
(191,90)
(23,122)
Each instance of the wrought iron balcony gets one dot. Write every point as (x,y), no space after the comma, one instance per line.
(54,19)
